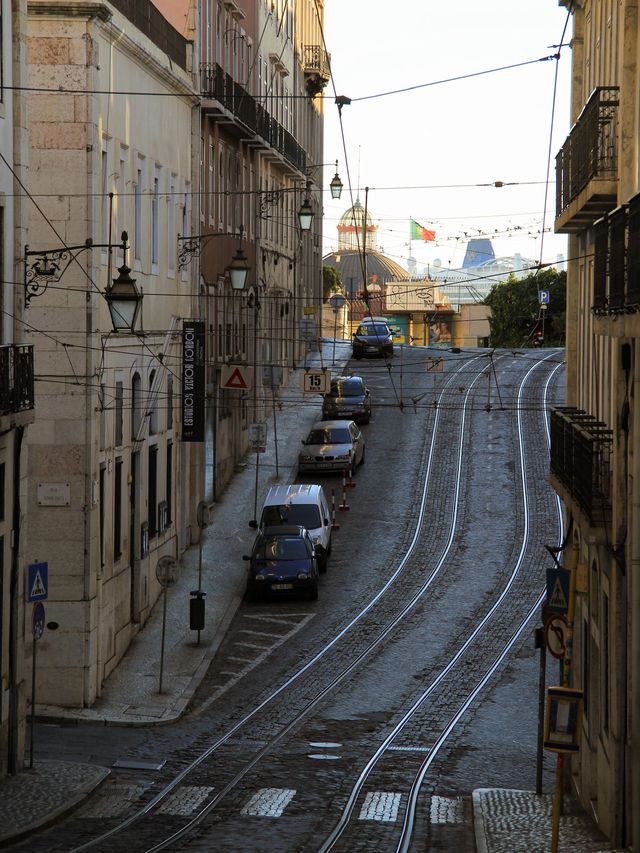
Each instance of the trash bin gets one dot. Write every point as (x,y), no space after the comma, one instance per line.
(196,610)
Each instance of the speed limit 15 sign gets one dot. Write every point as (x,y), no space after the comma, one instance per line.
(316,381)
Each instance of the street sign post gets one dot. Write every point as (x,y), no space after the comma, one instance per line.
(316,381)
(38,630)
(555,632)
(167,573)
(38,582)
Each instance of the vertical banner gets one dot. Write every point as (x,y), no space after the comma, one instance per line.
(193,380)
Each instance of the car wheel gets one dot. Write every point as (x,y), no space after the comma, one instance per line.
(313,591)
(362,457)
(251,595)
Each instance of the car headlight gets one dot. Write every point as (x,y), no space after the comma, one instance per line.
(304,457)
(343,457)
(259,577)
(303,576)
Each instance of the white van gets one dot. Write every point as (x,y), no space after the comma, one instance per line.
(305,505)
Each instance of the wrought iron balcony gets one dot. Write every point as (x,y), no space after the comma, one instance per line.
(581,461)
(616,263)
(16,378)
(316,65)
(587,164)
(220,88)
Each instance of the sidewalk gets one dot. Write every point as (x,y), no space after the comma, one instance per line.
(505,821)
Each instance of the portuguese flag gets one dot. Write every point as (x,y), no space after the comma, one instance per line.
(420,233)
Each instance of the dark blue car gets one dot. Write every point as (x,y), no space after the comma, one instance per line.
(283,560)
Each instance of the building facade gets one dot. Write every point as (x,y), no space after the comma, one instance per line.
(263,69)
(110,481)
(16,385)
(595,441)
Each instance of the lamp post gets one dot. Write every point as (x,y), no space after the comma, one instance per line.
(124,300)
(305,214)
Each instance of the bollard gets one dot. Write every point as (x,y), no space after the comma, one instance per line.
(334,523)
(344,505)
(350,484)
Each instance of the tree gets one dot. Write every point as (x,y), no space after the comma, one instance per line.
(331,281)
(516,314)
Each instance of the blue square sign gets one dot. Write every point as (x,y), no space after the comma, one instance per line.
(38,582)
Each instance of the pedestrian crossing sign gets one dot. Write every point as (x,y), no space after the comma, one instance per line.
(37,581)
(558,591)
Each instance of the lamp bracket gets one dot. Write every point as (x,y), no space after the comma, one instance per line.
(51,264)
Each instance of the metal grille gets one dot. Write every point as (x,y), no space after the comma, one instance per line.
(617,258)
(150,21)
(591,149)
(16,378)
(601,255)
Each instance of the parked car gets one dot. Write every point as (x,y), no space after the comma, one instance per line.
(282,560)
(373,337)
(303,504)
(330,445)
(348,398)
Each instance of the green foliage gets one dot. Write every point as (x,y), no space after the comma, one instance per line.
(516,313)
(331,281)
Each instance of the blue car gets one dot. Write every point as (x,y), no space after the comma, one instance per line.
(283,560)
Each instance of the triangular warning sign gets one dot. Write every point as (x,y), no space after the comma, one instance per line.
(558,600)
(236,380)
(38,587)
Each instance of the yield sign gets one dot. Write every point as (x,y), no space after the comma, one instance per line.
(236,377)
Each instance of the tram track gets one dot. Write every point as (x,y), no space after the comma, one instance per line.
(108,838)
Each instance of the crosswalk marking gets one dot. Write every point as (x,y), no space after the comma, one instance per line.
(269,802)
(185,800)
(446,809)
(380,805)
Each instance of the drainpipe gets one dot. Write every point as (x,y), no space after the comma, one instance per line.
(16,624)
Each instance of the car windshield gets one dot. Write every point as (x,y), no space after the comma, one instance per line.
(373,330)
(347,388)
(281,548)
(335,435)
(306,515)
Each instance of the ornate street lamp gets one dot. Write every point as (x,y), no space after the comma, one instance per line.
(124,301)
(305,214)
(336,184)
(238,269)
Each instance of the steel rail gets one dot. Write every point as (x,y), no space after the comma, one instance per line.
(344,820)
(197,819)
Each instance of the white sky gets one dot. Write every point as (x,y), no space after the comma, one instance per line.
(409,146)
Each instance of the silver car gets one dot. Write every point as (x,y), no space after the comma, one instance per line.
(330,445)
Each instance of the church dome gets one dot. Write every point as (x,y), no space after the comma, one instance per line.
(380,269)
(351,228)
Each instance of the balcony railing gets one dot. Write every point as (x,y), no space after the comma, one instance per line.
(16,378)
(581,460)
(217,85)
(145,17)
(616,263)
(588,160)
(315,60)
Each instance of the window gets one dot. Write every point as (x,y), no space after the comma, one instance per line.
(103,472)
(117,510)
(152,494)
(104,178)
(153,404)
(136,405)
(2,262)
(202,184)
(604,662)
(221,188)
(169,482)
(119,415)
(137,217)
(155,223)
(171,227)
(169,402)
(212,176)
(219,34)
(121,193)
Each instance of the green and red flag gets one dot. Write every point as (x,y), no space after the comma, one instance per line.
(420,233)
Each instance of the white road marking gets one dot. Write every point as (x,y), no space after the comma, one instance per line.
(269,802)
(446,809)
(185,800)
(380,805)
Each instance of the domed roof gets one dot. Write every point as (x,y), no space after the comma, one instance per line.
(380,269)
(351,229)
